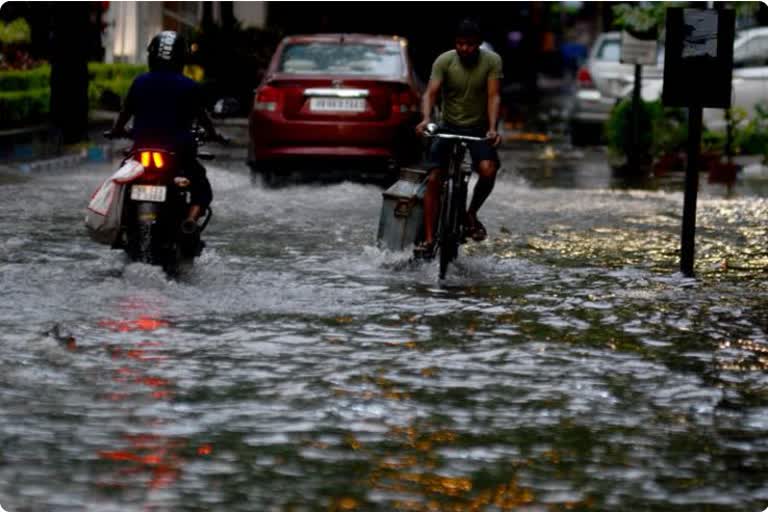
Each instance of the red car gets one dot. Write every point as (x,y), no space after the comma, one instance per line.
(338,96)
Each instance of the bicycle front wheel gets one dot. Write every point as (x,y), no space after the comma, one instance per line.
(449,239)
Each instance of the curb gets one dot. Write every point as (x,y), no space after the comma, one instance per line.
(93,153)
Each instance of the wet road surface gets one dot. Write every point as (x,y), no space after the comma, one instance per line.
(563,365)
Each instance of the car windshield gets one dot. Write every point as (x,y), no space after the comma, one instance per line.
(341,59)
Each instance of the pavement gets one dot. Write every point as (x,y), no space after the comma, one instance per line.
(37,147)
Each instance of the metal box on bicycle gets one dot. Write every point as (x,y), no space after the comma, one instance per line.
(401,223)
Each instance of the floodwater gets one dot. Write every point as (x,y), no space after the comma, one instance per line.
(564,364)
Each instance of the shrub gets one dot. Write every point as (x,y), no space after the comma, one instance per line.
(713,141)
(25,94)
(24,106)
(109,83)
(753,137)
(24,80)
(99,71)
(15,32)
(618,129)
(108,94)
(670,131)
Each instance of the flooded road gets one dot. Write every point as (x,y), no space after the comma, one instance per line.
(563,365)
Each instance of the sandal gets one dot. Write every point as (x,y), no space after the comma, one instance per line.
(424,250)
(475,229)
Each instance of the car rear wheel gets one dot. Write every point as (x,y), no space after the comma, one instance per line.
(271,175)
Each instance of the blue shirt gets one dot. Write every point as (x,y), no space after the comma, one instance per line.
(165,105)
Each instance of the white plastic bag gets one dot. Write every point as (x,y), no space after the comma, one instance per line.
(103,216)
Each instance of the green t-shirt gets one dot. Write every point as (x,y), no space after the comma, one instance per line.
(465,90)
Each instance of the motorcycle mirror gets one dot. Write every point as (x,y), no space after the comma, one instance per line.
(226,107)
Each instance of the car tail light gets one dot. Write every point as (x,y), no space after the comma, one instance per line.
(583,78)
(269,99)
(150,158)
(403,102)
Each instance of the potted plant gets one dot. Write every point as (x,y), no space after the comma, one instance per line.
(618,134)
(670,133)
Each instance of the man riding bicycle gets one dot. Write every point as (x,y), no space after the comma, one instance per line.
(164,105)
(470,80)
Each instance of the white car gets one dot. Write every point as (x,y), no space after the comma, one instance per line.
(604,80)
(749,81)
(750,75)
(600,83)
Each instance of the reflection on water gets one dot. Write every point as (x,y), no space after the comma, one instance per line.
(563,365)
(142,458)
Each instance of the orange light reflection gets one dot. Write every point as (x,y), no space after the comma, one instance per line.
(158,457)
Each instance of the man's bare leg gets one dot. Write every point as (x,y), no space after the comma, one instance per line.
(486,171)
(431,204)
(190,224)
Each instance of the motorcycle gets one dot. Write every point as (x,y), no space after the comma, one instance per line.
(155,201)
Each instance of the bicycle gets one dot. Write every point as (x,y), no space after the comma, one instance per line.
(453,198)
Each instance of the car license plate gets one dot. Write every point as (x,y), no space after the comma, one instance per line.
(151,193)
(337,105)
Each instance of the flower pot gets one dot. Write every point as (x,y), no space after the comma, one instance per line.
(668,162)
(723,172)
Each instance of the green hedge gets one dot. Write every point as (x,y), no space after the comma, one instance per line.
(105,93)
(23,80)
(25,94)
(24,106)
(109,83)
(99,71)
(40,77)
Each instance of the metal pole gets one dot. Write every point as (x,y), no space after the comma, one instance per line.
(687,245)
(729,135)
(634,156)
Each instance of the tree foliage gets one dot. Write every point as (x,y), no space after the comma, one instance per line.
(640,17)
(15,32)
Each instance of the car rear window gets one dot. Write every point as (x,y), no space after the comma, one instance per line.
(341,58)
(610,50)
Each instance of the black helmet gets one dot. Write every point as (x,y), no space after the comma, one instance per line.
(167,50)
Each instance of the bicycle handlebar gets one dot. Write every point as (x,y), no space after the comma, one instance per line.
(432,131)
(456,137)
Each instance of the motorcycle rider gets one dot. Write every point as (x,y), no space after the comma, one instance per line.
(164,105)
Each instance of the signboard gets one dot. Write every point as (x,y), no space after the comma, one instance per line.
(636,50)
(699,50)
(700,38)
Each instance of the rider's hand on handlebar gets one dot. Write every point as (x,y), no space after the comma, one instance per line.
(422,127)
(493,137)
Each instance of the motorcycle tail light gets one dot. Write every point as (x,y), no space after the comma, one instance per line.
(158,160)
(152,159)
